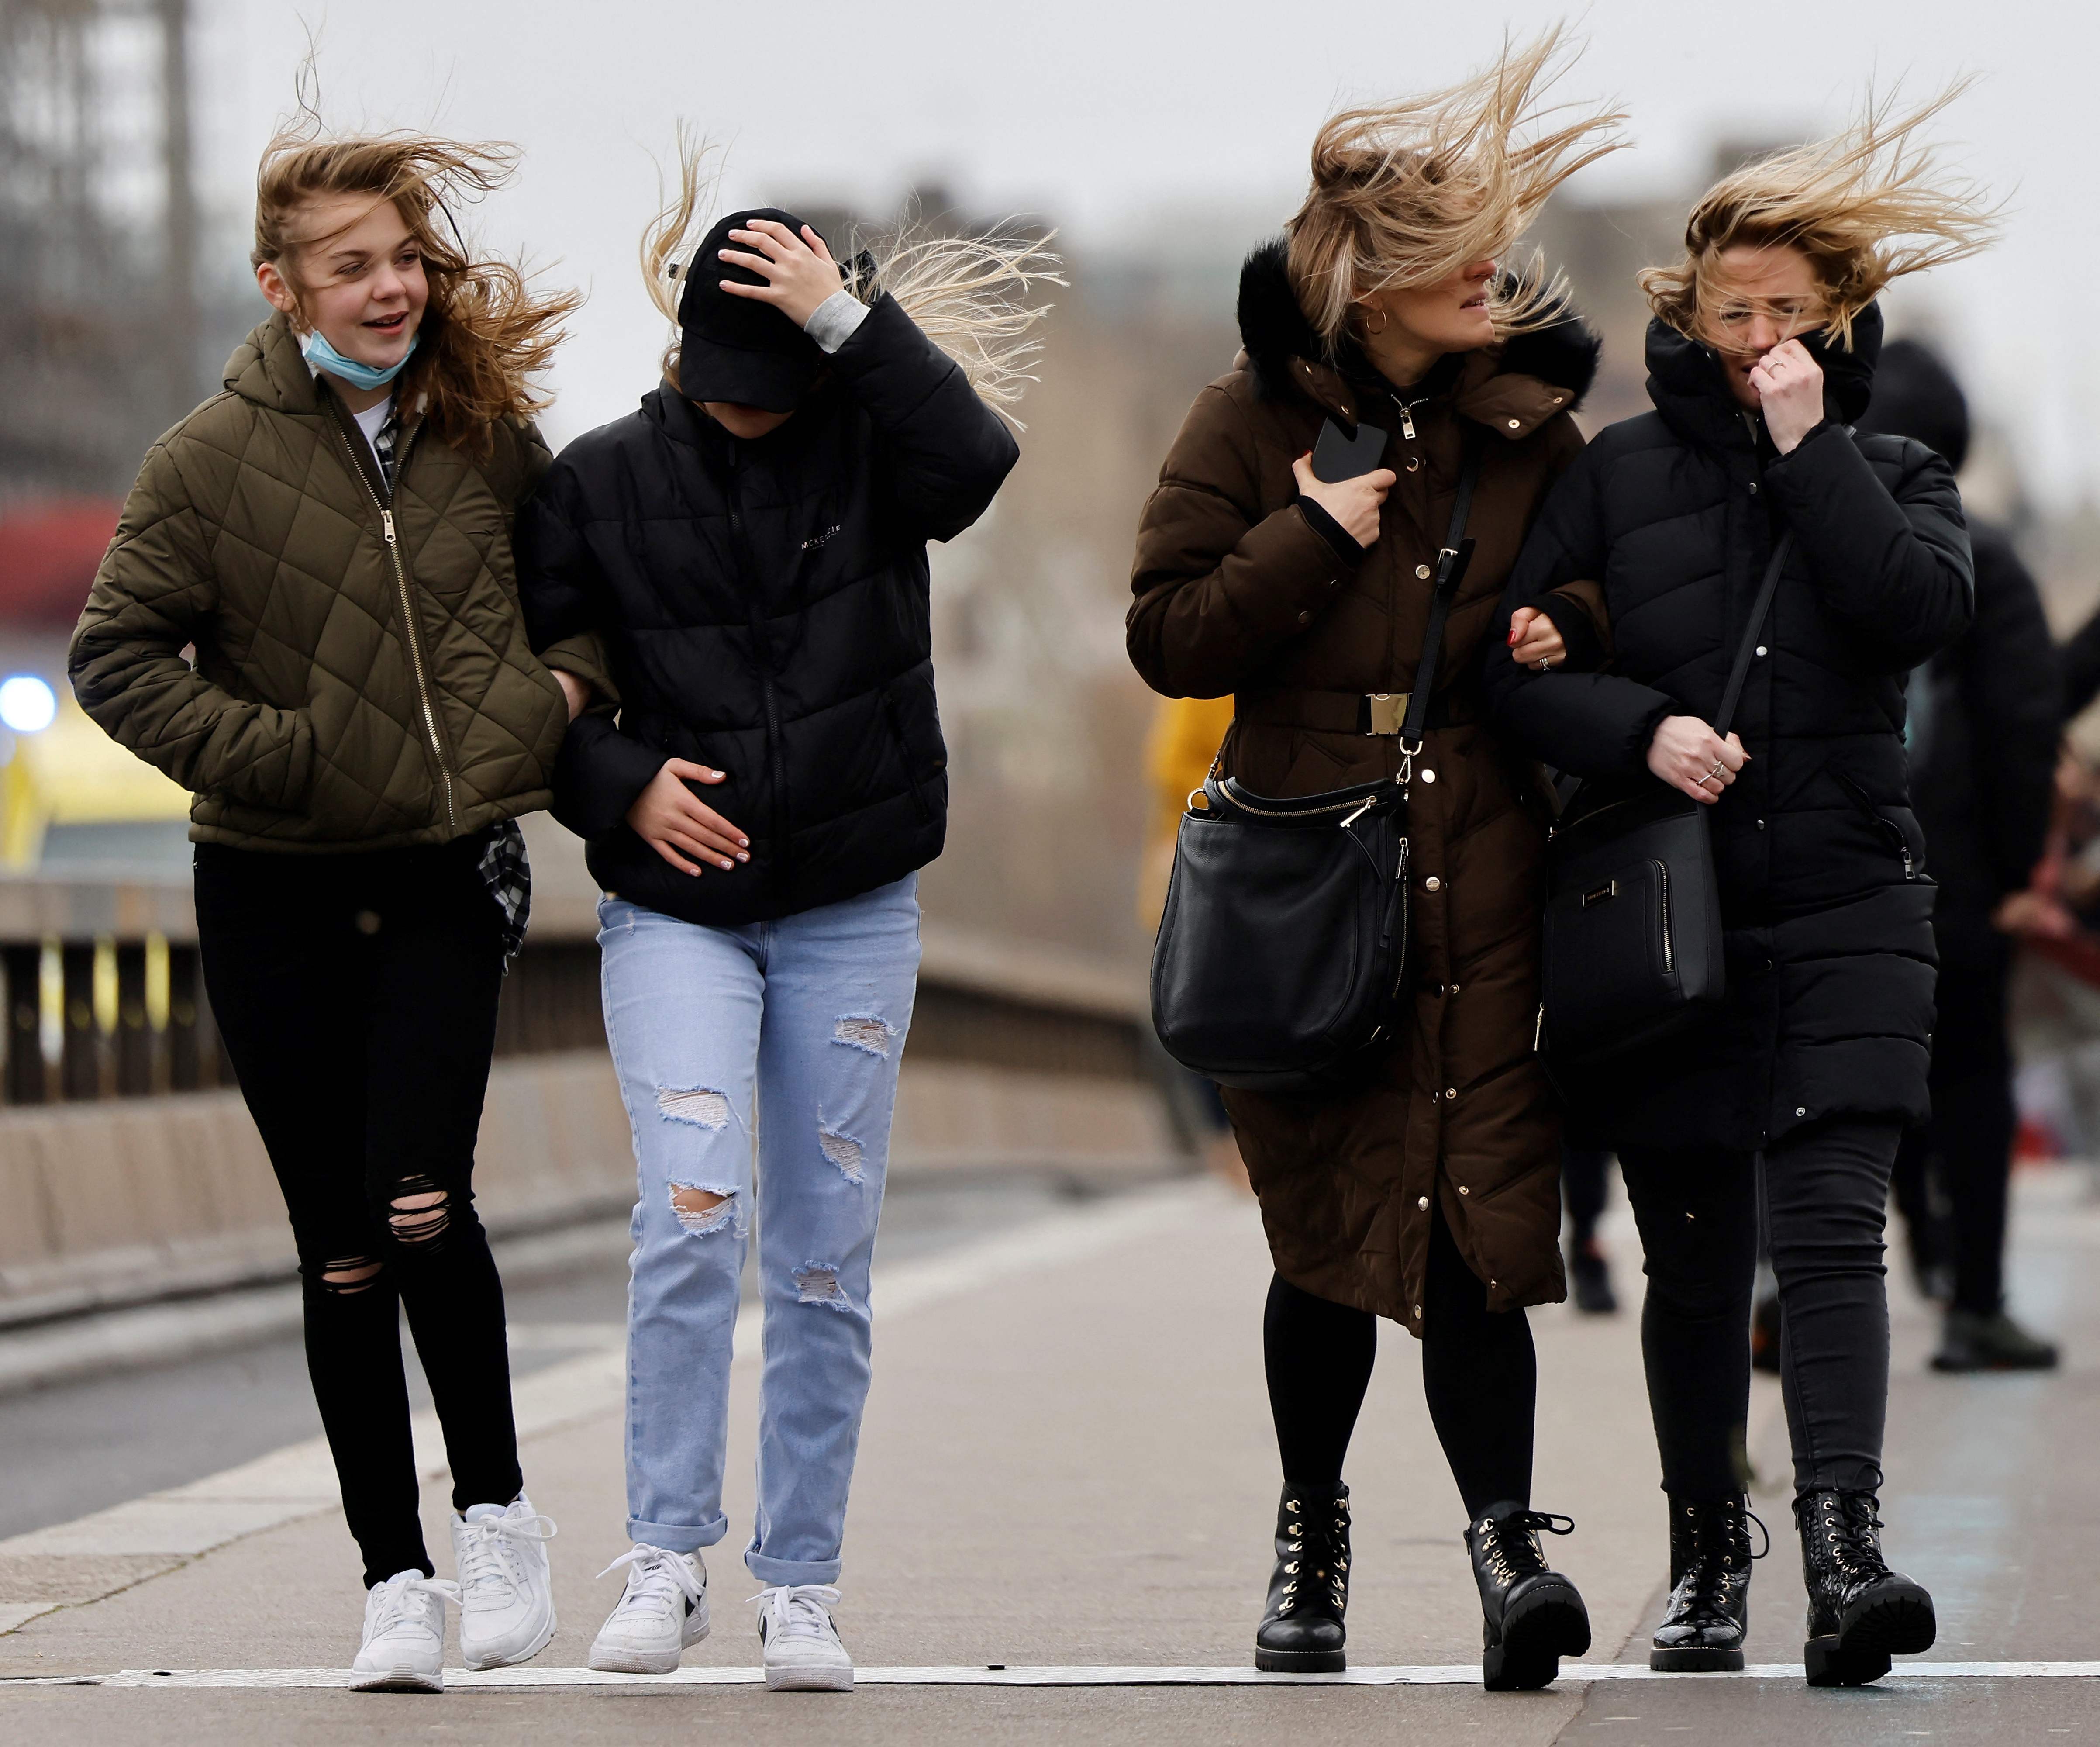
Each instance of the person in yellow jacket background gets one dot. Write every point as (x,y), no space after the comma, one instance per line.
(1184,740)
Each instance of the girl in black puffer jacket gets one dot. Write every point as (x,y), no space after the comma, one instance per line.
(752,546)
(1797,1090)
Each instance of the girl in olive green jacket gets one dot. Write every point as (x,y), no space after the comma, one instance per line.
(361,724)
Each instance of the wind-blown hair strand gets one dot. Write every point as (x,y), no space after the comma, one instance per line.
(1866,206)
(1406,193)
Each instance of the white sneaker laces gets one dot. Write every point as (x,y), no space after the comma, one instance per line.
(656,1578)
(487,1559)
(394,1607)
(797,1610)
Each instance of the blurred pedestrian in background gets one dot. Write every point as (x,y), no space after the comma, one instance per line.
(1786,1104)
(1983,724)
(362,724)
(1430,1195)
(1585,1174)
(1186,734)
(751,544)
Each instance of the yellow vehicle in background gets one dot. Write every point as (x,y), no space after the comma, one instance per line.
(72,799)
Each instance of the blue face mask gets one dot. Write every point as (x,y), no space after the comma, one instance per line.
(320,355)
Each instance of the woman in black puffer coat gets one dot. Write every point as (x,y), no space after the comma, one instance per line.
(1797,1090)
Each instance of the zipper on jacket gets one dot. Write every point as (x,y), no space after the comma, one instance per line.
(762,649)
(1663,883)
(385,506)
(911,769)
(1888,827)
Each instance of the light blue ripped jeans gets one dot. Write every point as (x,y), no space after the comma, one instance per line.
(780,1039)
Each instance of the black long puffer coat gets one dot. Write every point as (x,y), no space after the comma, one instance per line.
(765,606)
(1824,896)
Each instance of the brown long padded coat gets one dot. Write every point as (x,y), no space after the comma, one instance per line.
(1236,591)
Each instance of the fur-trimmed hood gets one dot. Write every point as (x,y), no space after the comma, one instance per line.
(1289,357)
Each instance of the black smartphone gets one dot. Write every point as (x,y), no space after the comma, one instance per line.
(1337,456)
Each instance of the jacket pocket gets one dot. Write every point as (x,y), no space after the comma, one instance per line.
(1890,832)
(893,710)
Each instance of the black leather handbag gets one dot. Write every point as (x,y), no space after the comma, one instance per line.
(1282,962)
(1633,946)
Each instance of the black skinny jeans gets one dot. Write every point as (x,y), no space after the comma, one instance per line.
(357,994)
(1824,1194)
(1479,1375)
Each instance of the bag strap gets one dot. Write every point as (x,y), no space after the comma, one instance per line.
(1451,560)
(1758,614)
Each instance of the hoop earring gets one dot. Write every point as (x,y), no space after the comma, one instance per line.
(1380,328)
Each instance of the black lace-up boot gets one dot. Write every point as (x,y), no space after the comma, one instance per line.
(1301,1631)
(1708,1612)
(1860,1613)
(1531,1617)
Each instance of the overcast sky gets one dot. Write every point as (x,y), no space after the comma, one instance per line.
(1103,115)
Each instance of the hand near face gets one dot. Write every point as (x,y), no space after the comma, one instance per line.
(1789,383)
(799,271)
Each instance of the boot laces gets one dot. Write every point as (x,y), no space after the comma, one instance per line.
(1327,1552)
(1850,1524)
(1512,1541)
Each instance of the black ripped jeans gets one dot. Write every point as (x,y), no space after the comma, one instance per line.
(1480,1376)
(356,994)
(1823,1192)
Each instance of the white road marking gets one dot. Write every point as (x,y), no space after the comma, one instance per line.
(1443,1674)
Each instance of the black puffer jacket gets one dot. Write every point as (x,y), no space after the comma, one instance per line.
(764,605)
(1823,891)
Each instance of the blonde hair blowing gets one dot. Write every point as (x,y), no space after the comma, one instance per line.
(972,296)
(485,333)
(1406,193)
(1865,206)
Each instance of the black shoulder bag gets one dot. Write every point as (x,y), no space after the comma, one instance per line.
(1633,948)
(1282,962)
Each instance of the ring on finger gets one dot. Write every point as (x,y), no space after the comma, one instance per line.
(1719,765)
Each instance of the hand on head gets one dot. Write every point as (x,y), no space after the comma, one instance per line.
(799,271)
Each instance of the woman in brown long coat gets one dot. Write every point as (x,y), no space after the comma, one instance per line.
(1430,1194)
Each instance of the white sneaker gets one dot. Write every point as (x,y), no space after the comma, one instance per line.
(403,1649)
(506,1593)
(662,1614)
(803,1653)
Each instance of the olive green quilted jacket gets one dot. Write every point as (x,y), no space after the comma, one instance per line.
(361,677)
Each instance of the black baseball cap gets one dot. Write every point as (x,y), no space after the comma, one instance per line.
(736,349)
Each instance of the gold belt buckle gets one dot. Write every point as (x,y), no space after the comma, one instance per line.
(1388,711)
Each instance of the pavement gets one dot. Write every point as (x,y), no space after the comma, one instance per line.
(1060,1533)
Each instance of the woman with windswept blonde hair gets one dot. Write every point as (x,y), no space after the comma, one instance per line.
(1627,612)
(1428,1192)
(362,724)
(751,545)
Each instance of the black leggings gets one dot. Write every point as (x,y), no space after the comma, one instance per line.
(1479,1375)
(1823,1192)
(357,995)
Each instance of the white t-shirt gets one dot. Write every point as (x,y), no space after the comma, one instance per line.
(371,420)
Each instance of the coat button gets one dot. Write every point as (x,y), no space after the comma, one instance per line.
(1423,571)
(1414,463)
(1454,988)
(1761,649)
(1305,618)
(1761,824)
(1753,488)
(1517,424)
(1801,1109)
(1463,1190)
(1429,776)
(1450,1092)
(1418,1313)
(1432,883)
(1423,1203)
